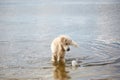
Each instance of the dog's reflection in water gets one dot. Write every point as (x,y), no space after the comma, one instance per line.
(60,72)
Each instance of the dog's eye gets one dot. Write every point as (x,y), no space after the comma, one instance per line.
(66,43)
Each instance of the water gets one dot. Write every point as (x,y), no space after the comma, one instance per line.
(28,27)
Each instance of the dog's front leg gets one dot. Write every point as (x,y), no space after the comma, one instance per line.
(63,59)
(58,58)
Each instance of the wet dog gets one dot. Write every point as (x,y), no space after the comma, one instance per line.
(59,46)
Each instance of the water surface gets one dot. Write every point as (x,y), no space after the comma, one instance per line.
(28,27)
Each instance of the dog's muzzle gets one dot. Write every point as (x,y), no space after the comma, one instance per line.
(68,49)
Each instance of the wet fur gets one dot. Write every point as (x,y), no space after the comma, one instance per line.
(59,46)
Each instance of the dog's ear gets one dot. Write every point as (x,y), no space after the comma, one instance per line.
(62,39)
(74,44)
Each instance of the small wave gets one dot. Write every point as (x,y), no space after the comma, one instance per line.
(82,61)
(103,62)
(100,63)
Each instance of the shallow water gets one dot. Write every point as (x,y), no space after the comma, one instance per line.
(28,27)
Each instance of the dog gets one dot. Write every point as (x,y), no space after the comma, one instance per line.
(59,46)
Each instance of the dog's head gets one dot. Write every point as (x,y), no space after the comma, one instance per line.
(66,42)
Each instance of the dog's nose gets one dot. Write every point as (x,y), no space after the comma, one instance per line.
(68,49)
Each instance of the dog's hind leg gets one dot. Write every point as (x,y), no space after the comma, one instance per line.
(54,58)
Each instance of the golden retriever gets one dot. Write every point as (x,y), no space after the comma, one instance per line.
(59,46)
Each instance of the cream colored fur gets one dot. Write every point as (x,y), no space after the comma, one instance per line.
(59,46)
